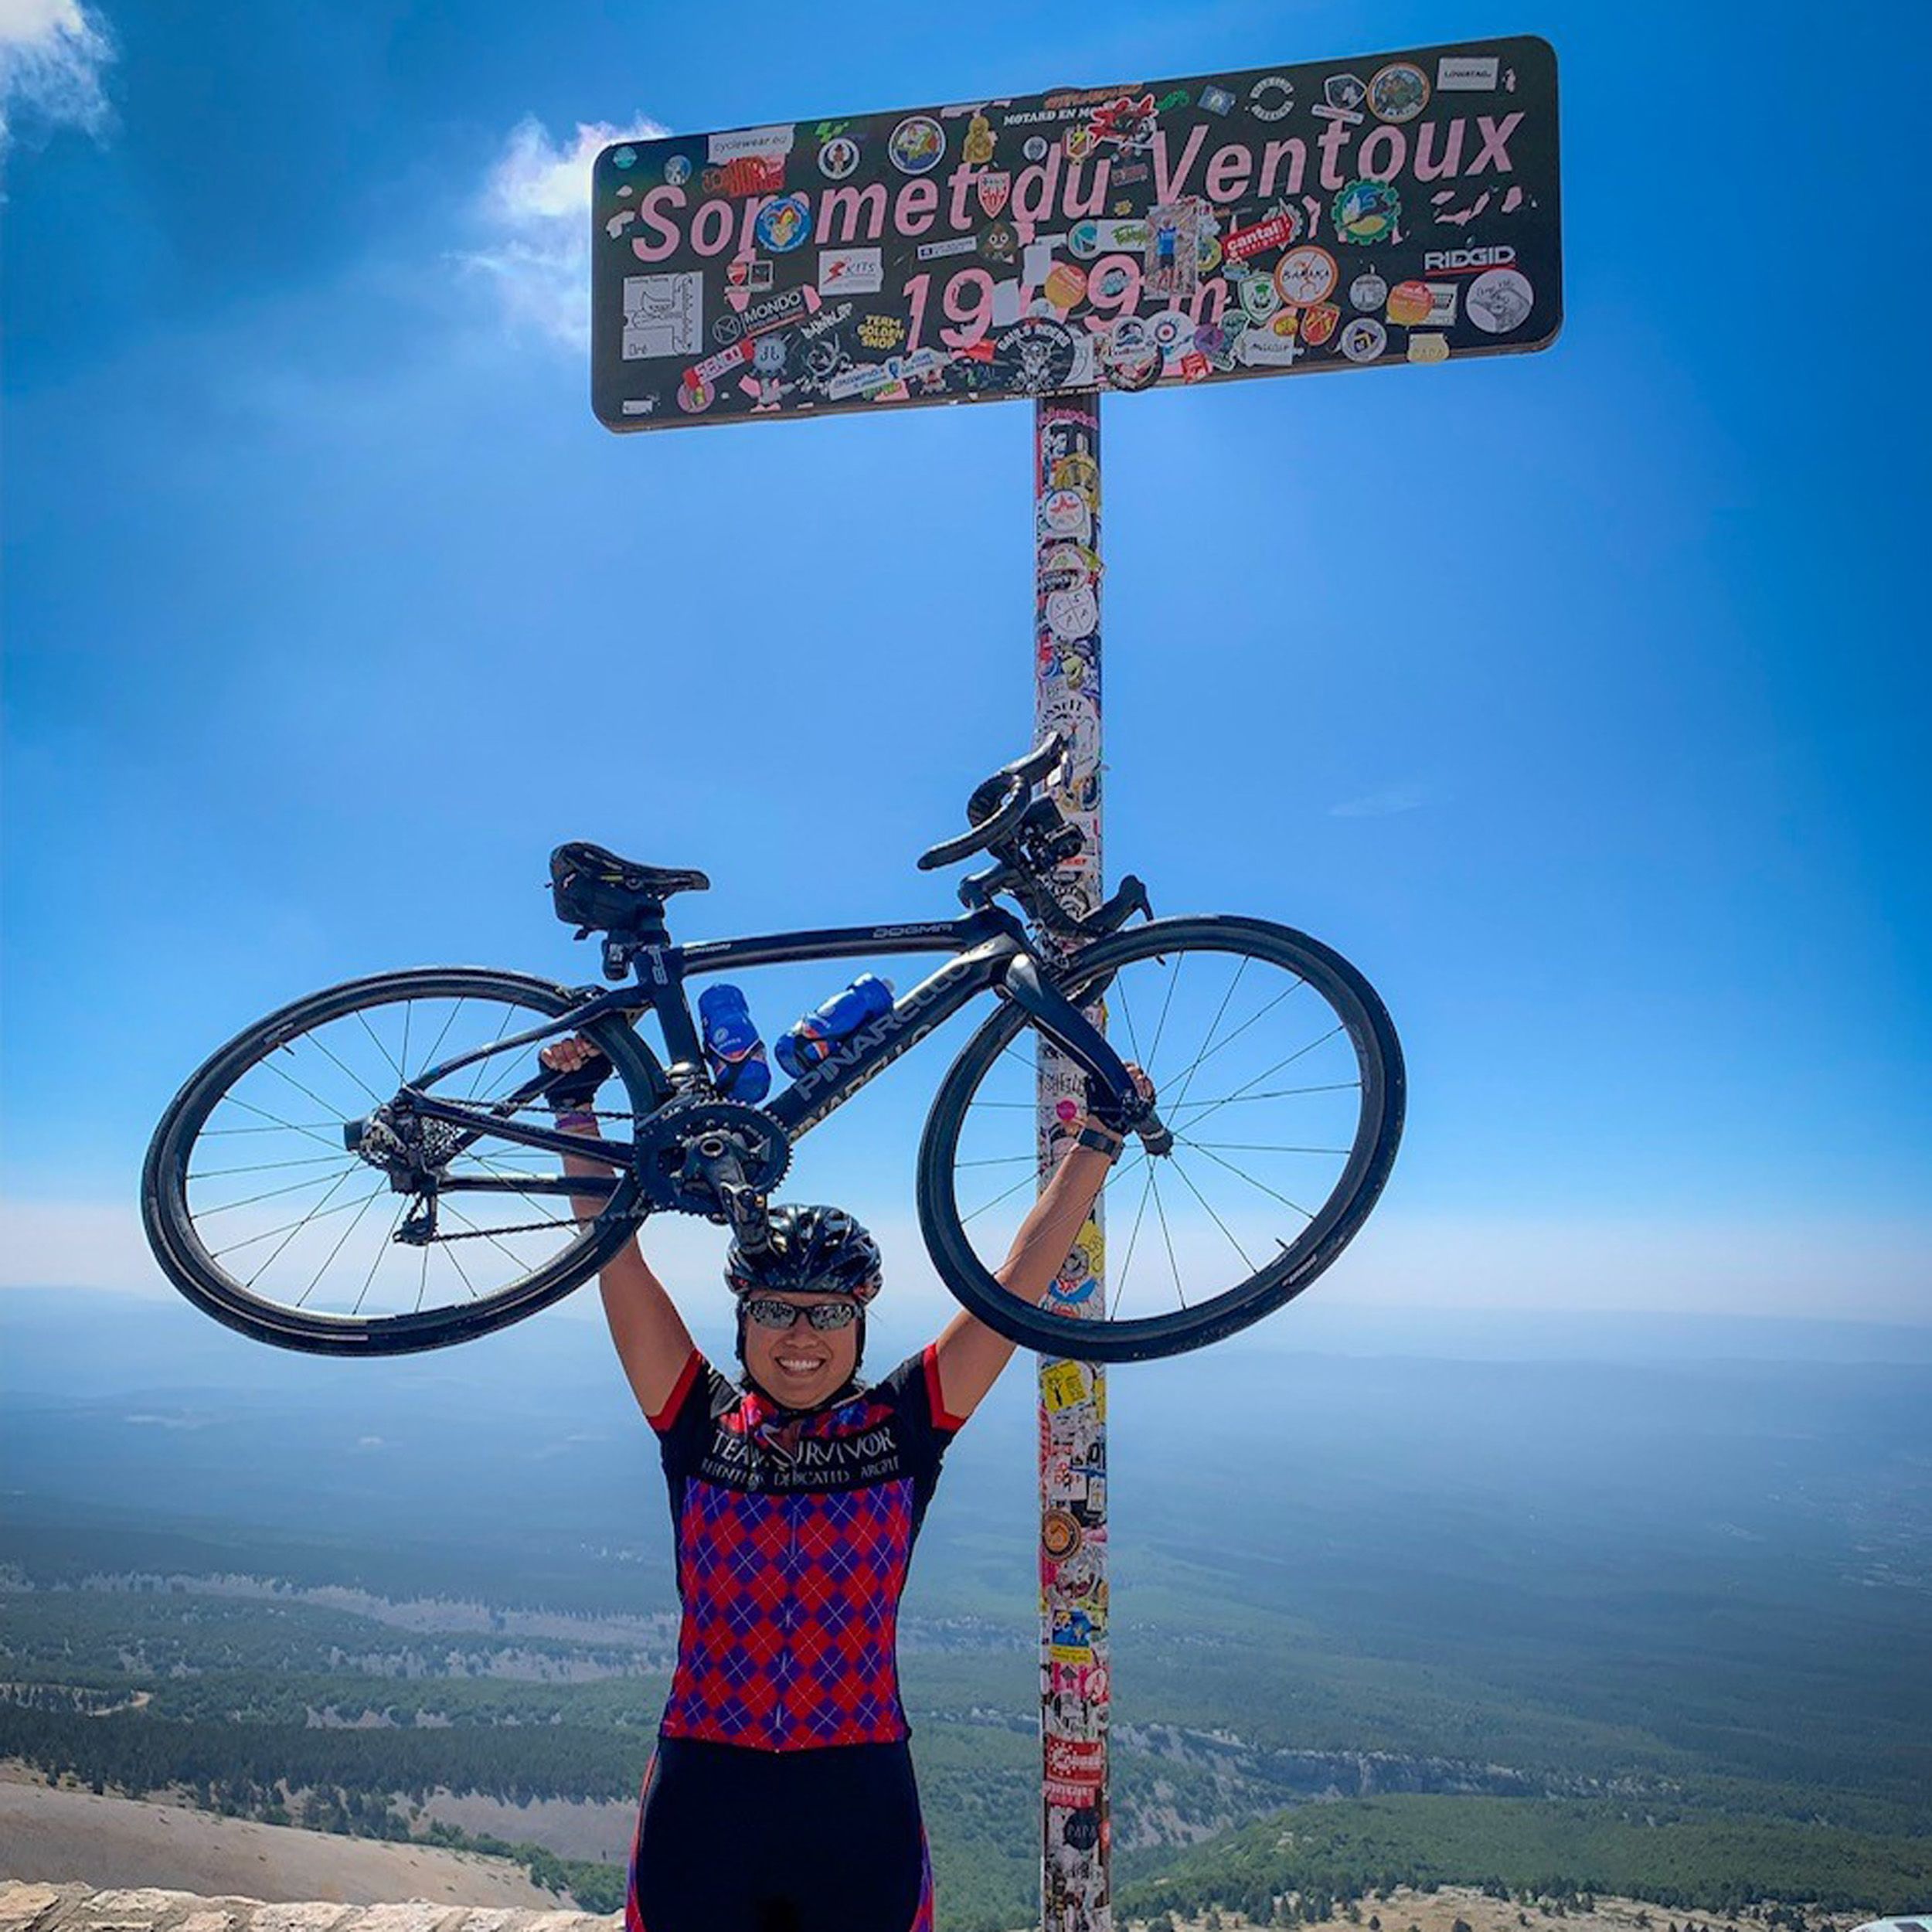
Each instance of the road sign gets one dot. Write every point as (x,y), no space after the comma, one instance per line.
(1397,208)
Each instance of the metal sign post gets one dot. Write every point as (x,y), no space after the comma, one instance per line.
(1399,208)
(1074,1883)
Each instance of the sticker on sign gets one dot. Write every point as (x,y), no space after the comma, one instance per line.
(1153,233)
(850,271)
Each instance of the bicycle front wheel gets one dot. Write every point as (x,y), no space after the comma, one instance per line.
(263,1204)
(1280,1076)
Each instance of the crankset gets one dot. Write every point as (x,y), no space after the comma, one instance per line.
(718,1158)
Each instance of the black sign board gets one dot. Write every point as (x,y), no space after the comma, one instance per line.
(1400,207)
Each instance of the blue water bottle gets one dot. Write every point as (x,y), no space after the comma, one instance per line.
(815,1038)
(739,1068)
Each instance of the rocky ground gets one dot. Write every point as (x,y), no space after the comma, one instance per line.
(77,1908)
(56,1836)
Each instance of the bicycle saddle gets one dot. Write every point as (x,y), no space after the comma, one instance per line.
(594,888)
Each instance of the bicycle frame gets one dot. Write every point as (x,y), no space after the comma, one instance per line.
(991,952)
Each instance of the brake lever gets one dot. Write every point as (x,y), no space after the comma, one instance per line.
(1131,898)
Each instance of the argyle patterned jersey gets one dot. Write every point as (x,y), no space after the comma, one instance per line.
(793,1538)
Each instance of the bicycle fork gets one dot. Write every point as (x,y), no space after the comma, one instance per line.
(1070,1029)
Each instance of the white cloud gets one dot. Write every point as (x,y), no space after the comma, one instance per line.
(51,55)
(537,205)
(1381,804)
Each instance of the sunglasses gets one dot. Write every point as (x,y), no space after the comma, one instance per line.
(822,1315)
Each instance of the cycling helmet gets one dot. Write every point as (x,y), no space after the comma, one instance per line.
(819,1250)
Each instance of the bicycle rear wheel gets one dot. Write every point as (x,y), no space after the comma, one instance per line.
(1281,1078)
(259,1210)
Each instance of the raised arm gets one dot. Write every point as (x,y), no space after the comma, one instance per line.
(652,1341)
(971,1355)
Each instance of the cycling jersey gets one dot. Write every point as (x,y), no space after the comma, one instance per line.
(793,1535)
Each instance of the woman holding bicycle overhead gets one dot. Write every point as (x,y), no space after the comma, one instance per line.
(781,1794)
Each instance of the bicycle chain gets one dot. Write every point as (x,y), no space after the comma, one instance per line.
(537,1227)
(528,1227)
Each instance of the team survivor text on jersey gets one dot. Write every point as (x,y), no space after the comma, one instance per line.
(1400,207)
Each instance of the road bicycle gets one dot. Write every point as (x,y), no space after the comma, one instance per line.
(374,1170)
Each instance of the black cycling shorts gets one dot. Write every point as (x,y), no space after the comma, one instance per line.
(734,1840)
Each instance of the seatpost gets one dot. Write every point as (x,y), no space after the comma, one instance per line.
(619,947)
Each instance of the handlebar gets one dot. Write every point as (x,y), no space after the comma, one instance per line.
(998,805)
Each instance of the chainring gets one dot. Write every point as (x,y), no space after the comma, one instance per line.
(675,1144)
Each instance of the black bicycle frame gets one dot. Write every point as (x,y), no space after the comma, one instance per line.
(991,952)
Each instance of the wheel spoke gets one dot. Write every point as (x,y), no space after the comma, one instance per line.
(512,1022)
(305,1210)
(1168,1236)
(435,1054)
(1251,1180)
(275,1067)
(289,1229)
(381,1248)
(1160,1025)
(1213,1025)
(1188,1182)
(1243,1028)
(270,1194)
(528,1200)
(1285,1038)
(456,1261)
(486,1234)
(268,1167)
(322,1047)
(1251,1147)
(1134,1235)
(1275,1094)
(1011,1051)
(393,1067)
(341,1240)
(1127,1014)
(1267,1074)
(1024,1181)
(319,1132)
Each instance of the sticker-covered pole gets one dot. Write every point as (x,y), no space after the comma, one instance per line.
(1074,1890)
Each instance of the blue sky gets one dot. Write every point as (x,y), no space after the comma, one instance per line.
(1579,697)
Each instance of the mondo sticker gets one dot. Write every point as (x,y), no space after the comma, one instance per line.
(1147,233)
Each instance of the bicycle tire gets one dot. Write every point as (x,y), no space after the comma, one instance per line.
(178,1239)
(1093,974)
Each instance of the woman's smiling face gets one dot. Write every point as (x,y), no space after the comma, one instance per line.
(800,1365)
